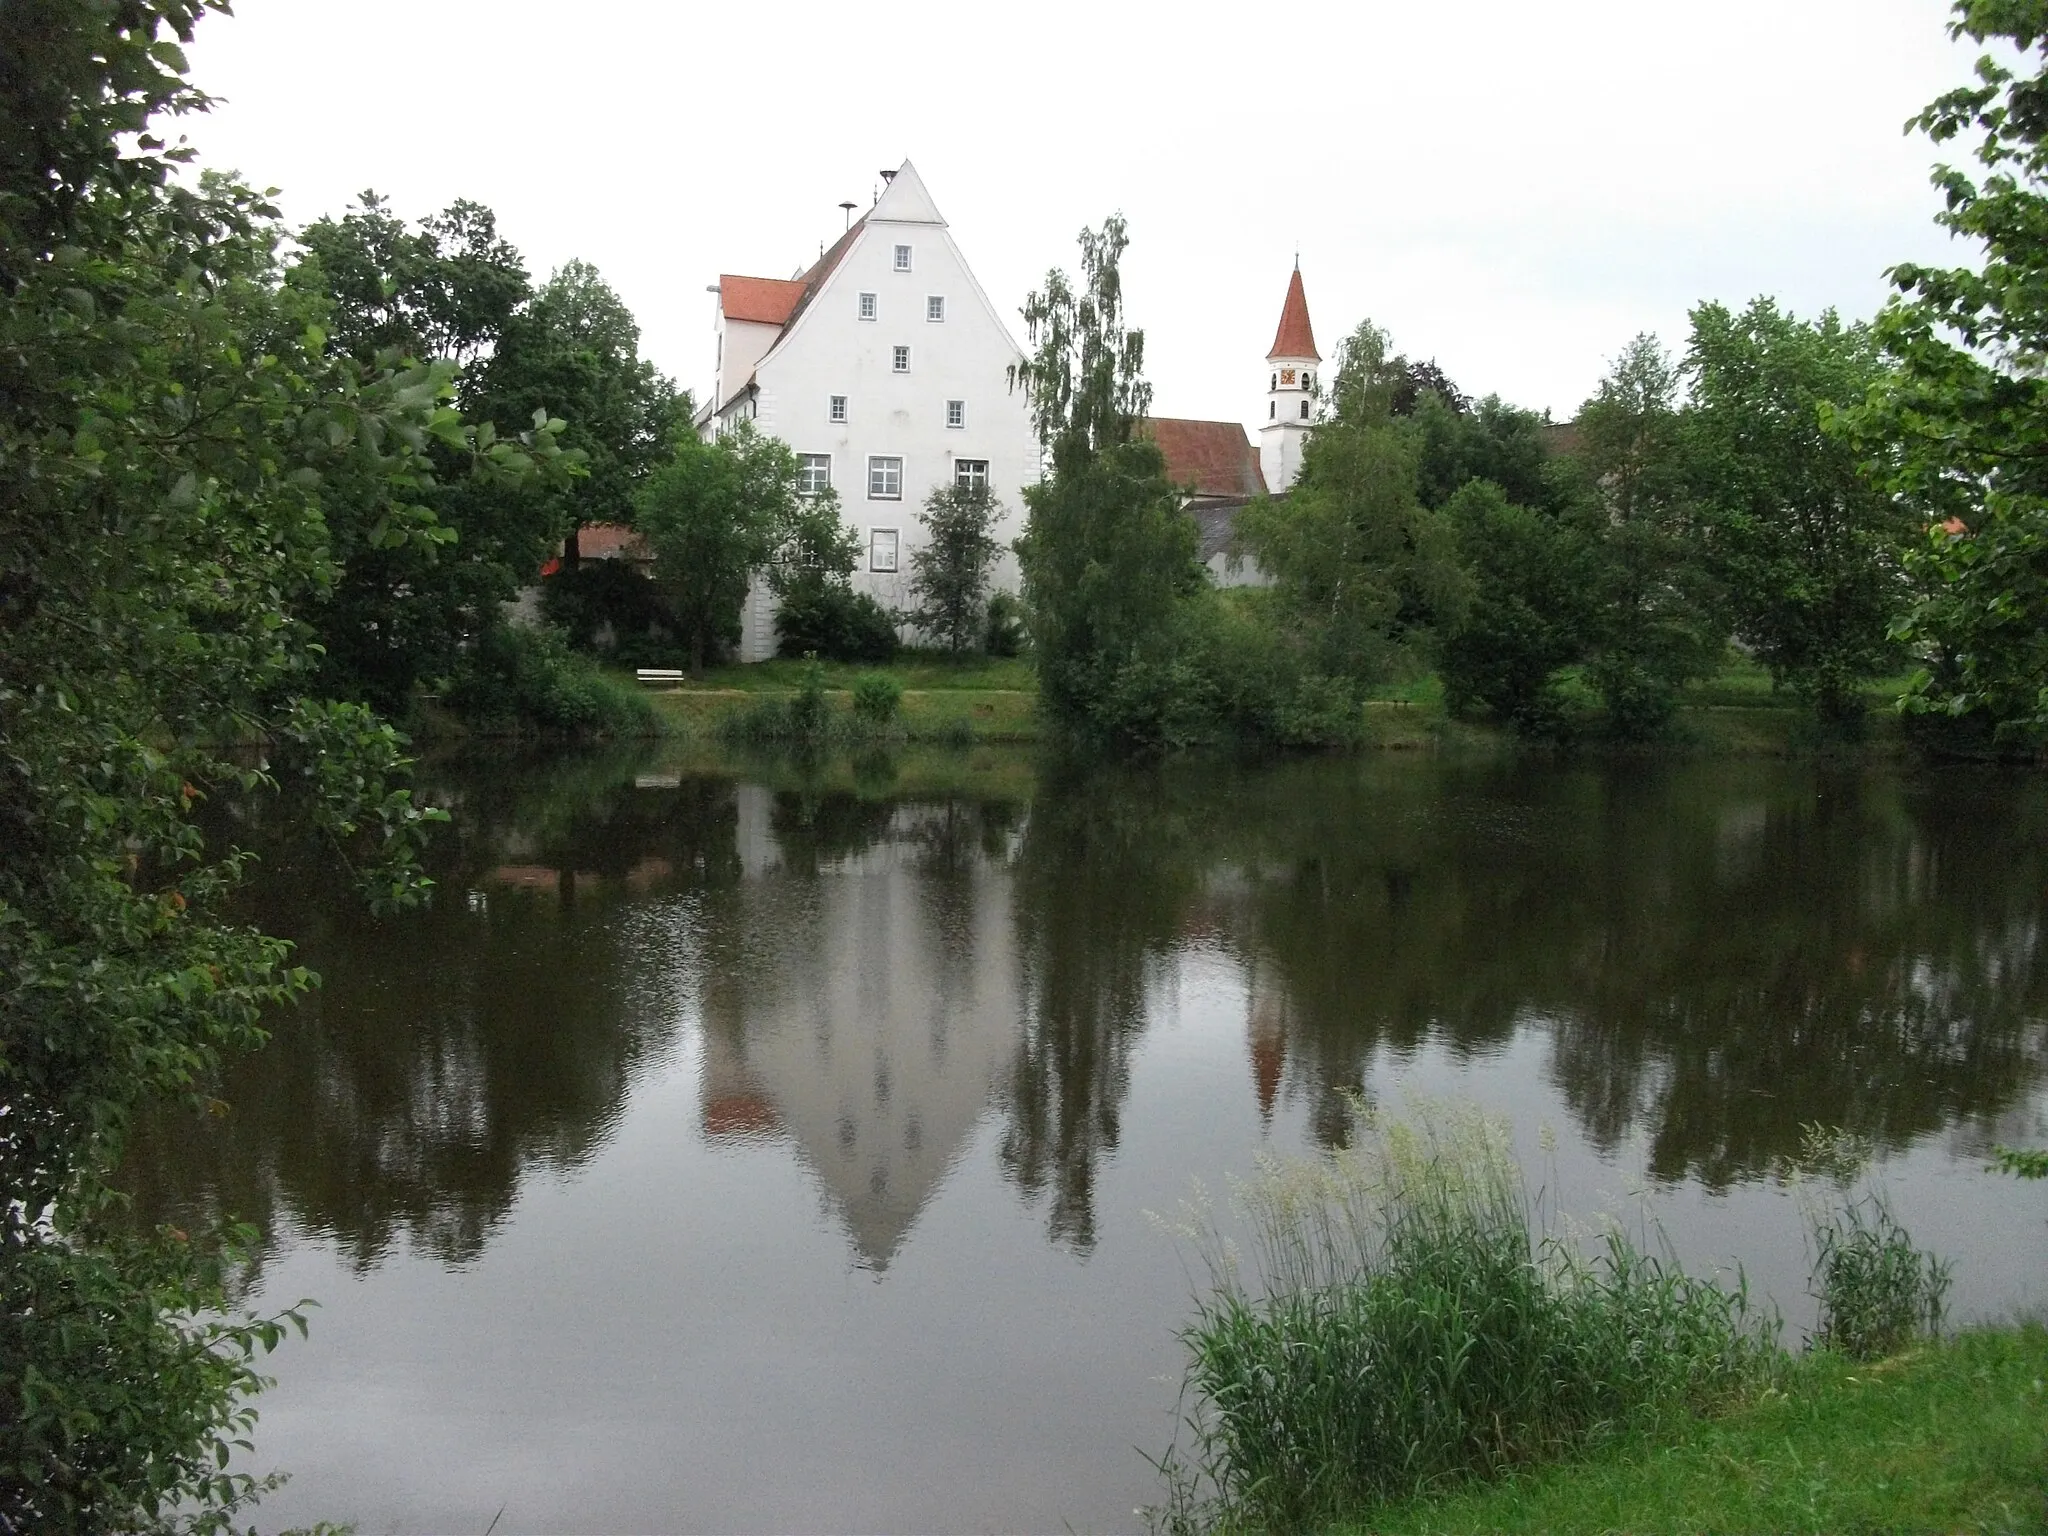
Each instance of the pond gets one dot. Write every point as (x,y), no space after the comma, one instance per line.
(786,1150)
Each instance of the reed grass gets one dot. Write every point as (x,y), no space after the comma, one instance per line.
(1400,1324)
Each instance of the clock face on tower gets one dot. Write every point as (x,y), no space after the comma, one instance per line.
(1286,377)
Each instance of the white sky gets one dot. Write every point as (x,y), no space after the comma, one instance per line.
(1514,188)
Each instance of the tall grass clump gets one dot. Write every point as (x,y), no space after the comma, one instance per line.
(1400,1324)
(1877,1291)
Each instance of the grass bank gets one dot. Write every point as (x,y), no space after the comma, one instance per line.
(1736,713)
(1950,1436)
(979,699)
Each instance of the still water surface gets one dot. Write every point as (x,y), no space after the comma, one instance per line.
(745,1153)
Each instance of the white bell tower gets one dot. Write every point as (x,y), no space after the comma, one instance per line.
(1290,390)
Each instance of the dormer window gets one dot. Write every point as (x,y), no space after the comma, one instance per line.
(867,306)
(902,258)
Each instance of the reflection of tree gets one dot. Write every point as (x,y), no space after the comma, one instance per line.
(1105,878)
(1720,952)
(450,1052)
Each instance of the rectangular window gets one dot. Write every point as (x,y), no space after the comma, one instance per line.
(885,478)
(813,473)
(881,549)
(970,474)
(956,413)
(902,258)
(901,361)
(935,306)
(867,306)
(838,409)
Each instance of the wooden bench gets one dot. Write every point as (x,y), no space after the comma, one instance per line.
(660,677)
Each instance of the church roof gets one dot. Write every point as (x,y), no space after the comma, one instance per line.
(1294,338)
(1215,457)
(767,300)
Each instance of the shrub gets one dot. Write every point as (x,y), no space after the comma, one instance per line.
(1877,1292)
(809,715)
(600,595)
(1407,1328)
(528,681)
(831,620)
(1004,633)
(876,696)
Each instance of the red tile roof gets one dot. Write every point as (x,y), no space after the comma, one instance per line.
(1294,338)
(768,300)
(1215,457)
(611,541)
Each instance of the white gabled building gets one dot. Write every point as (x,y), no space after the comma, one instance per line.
(886,369)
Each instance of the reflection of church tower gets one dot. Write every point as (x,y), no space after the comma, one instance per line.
(1290,390)
(1266,1027)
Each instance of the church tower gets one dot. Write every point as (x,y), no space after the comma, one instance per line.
(1290,390)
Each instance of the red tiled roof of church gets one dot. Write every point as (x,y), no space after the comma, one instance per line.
(1294,338)
(1215,457)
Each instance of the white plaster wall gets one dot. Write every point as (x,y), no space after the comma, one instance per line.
(831,351)
(741,345)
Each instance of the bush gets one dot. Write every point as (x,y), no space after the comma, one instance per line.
(1004,633)
(809,714)
(832,621)
(598,595)
(528,681)
(876,696)
(1408,1329)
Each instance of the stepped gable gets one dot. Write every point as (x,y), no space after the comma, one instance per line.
(1295,338)
(1216,458)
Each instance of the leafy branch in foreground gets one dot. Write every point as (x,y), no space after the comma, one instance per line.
(173,438)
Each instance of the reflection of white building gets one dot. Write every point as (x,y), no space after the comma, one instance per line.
(873,1033)
(886,368)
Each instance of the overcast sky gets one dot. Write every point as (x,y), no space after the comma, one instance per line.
(1513,188)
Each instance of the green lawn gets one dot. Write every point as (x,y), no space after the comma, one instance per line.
(1950,1437)
(921,670)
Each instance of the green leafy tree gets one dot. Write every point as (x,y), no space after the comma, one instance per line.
(1533,613)
(949,576)
(172,433)
(1661,624)
(1364,572)
(1804,543)
(715,513)
(1966,411)
(444,290)
(1108,554)
(573,351)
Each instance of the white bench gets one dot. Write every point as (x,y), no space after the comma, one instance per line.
(660,677)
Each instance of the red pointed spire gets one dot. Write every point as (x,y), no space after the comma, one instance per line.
(1294,338)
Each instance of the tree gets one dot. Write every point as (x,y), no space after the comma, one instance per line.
(573,350)
(445,290)
(715,513)
(171,433)
(1364,572)
(949,576)
(1803,543)
(1532,612)
(1108,554)
(452,289)
(817,612)
(1660,623)
(1967,406)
